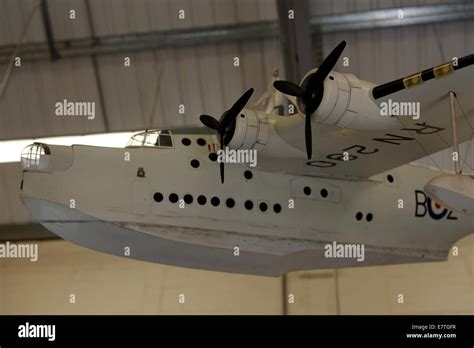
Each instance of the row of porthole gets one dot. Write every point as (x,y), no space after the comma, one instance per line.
(213,157)
(307,191)
(215,201)
(199,141)
(368,217)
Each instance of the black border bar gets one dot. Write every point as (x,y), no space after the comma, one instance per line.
(262,330)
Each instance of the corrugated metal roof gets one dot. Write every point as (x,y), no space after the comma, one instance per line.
(27,108)
(201,78)
(13,17)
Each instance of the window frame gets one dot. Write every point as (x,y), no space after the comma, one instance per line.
(135,142)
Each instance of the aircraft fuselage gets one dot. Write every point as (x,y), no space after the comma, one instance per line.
(167,205)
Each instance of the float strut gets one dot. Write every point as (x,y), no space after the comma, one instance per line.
(452,95)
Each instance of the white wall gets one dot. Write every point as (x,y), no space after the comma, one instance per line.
(105,284)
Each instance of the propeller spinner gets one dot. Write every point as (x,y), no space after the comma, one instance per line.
(226,124)
(311,92)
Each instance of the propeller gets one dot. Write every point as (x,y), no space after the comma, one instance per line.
(226,125)
(310,93)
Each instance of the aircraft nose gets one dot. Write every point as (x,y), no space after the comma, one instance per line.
(44,157)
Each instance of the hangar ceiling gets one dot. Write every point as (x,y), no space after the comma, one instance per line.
(200,76)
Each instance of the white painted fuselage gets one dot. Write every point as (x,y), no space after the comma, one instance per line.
(100,202)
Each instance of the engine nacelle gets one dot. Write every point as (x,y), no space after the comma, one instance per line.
(251,128)
(347,103)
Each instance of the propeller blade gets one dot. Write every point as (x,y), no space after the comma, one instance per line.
(289,88)
(326,66)
(234,111)
(222,126)
(221,164)
(210,122)
(314,89)
(308,136)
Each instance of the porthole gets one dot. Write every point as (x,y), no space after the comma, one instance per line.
(359,216)
(202,200)
(201,141)
(307,190)
(369,217)
(173,197)
(188,199)
(195,163)
(186,141)
(324,193)
(248,174)
(331,77)
(158,197)
(277,208)
(390,178)
(248,205)
(242,115)
(263,206)
(213,156)
(215,201)
(230,203)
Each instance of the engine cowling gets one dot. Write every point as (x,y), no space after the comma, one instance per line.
(347,103)
(251,128)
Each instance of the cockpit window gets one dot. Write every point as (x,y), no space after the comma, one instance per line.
(137,140)
(165,139)
(155,138)
(35,156)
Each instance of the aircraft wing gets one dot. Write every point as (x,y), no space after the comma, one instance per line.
(374,152)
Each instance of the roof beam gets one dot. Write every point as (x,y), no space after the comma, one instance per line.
(295,36)
(363,20)
(53,52)
(95,66)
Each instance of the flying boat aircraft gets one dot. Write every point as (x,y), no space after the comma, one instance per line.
(336,171)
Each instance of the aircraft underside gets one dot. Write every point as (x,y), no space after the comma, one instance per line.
(156,244)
